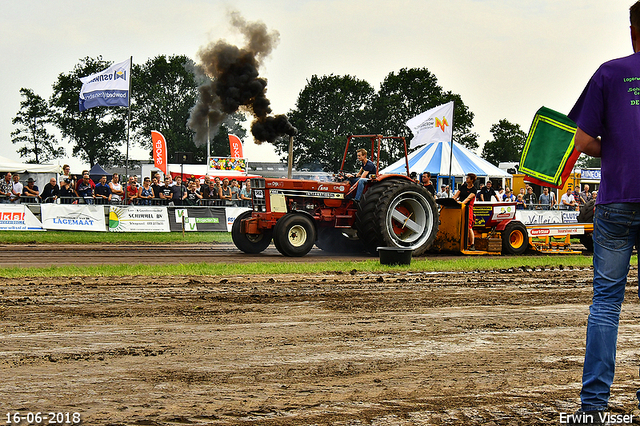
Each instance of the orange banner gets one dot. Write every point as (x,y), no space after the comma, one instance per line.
(159,151)
(235,144)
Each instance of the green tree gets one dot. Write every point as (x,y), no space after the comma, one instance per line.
(32,118)
(507,144)
(97,134)
(408,93)
(328,109)
(587,162)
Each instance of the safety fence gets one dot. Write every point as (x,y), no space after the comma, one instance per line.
(116,218)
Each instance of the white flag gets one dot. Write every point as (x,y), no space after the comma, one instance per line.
(432,126)
(106,88)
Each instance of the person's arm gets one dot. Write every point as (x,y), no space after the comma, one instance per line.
(587,144)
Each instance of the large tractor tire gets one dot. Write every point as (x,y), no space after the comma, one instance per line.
(397,213)
(249,243)
(294,234)
(332,240)
(515,238)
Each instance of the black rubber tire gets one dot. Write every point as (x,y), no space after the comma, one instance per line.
(249,243)
(332,240)
(294,234)
(515,238)
(397,213)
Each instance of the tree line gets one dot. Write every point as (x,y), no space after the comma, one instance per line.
(165,88)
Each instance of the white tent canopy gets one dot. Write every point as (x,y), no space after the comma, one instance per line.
(435,157)
(8,165)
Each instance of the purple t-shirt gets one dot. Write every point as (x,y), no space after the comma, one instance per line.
(609,107)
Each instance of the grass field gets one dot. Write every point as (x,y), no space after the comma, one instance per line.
(70,237)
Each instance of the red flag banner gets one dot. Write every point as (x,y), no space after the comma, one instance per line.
(159,151)
(235,144)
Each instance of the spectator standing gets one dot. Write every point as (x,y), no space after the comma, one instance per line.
(165,191)
(567,202)
(91,182)
(488,193)
(245,192)
(192,196)
(442,193)
(31,192)
(508,196)
(117,194)
(466,195)
(16,189)
(132,191)
(6,186)
(156,186)
(545,199)
(85,190)
(235,189)
(520,204)
(67,191)
(145,192)
(50,191)
(210,193)
(178,192)
(103,191)
(225,191)
(425,180)
(530,198)
(585,196)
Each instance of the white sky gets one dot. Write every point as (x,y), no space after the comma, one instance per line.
(505,58)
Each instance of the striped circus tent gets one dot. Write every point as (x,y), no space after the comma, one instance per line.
(434,157)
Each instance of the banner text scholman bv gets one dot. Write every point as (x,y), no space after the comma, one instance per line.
(106,88)
(18,218)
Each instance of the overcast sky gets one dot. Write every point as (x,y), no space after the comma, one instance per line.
(505,58)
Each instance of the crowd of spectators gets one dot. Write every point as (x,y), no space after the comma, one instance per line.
(526,198)
(152,191)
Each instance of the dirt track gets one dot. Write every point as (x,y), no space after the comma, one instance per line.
(338,349)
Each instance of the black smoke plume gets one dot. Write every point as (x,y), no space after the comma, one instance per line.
(235,84)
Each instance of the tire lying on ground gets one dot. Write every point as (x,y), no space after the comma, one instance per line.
(397,213)
(249,243)
(294,234)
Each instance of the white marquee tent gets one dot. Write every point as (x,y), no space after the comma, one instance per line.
(41,173)
(435,157)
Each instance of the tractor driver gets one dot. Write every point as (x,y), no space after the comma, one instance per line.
(367,169)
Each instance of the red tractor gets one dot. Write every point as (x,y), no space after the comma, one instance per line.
(394,211)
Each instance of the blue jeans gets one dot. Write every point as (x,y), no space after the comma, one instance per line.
(616,231)
(361,183)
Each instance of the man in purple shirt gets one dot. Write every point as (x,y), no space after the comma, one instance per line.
(608,118)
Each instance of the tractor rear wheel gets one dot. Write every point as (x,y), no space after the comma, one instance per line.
(249,243)
(515,238)
(397,213)
(294,234)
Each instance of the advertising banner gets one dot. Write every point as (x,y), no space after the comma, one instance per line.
(198,219)
(539,217)
(138,219)
(73,217)
(232,213)
(18,218)
(227,163)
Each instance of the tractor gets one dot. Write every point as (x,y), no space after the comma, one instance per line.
(394,211)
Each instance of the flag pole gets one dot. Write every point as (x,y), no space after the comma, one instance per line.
(453,186)
(126,166)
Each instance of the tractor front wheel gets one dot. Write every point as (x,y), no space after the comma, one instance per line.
(294,234)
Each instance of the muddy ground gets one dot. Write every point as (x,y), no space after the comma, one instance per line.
(481,348)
